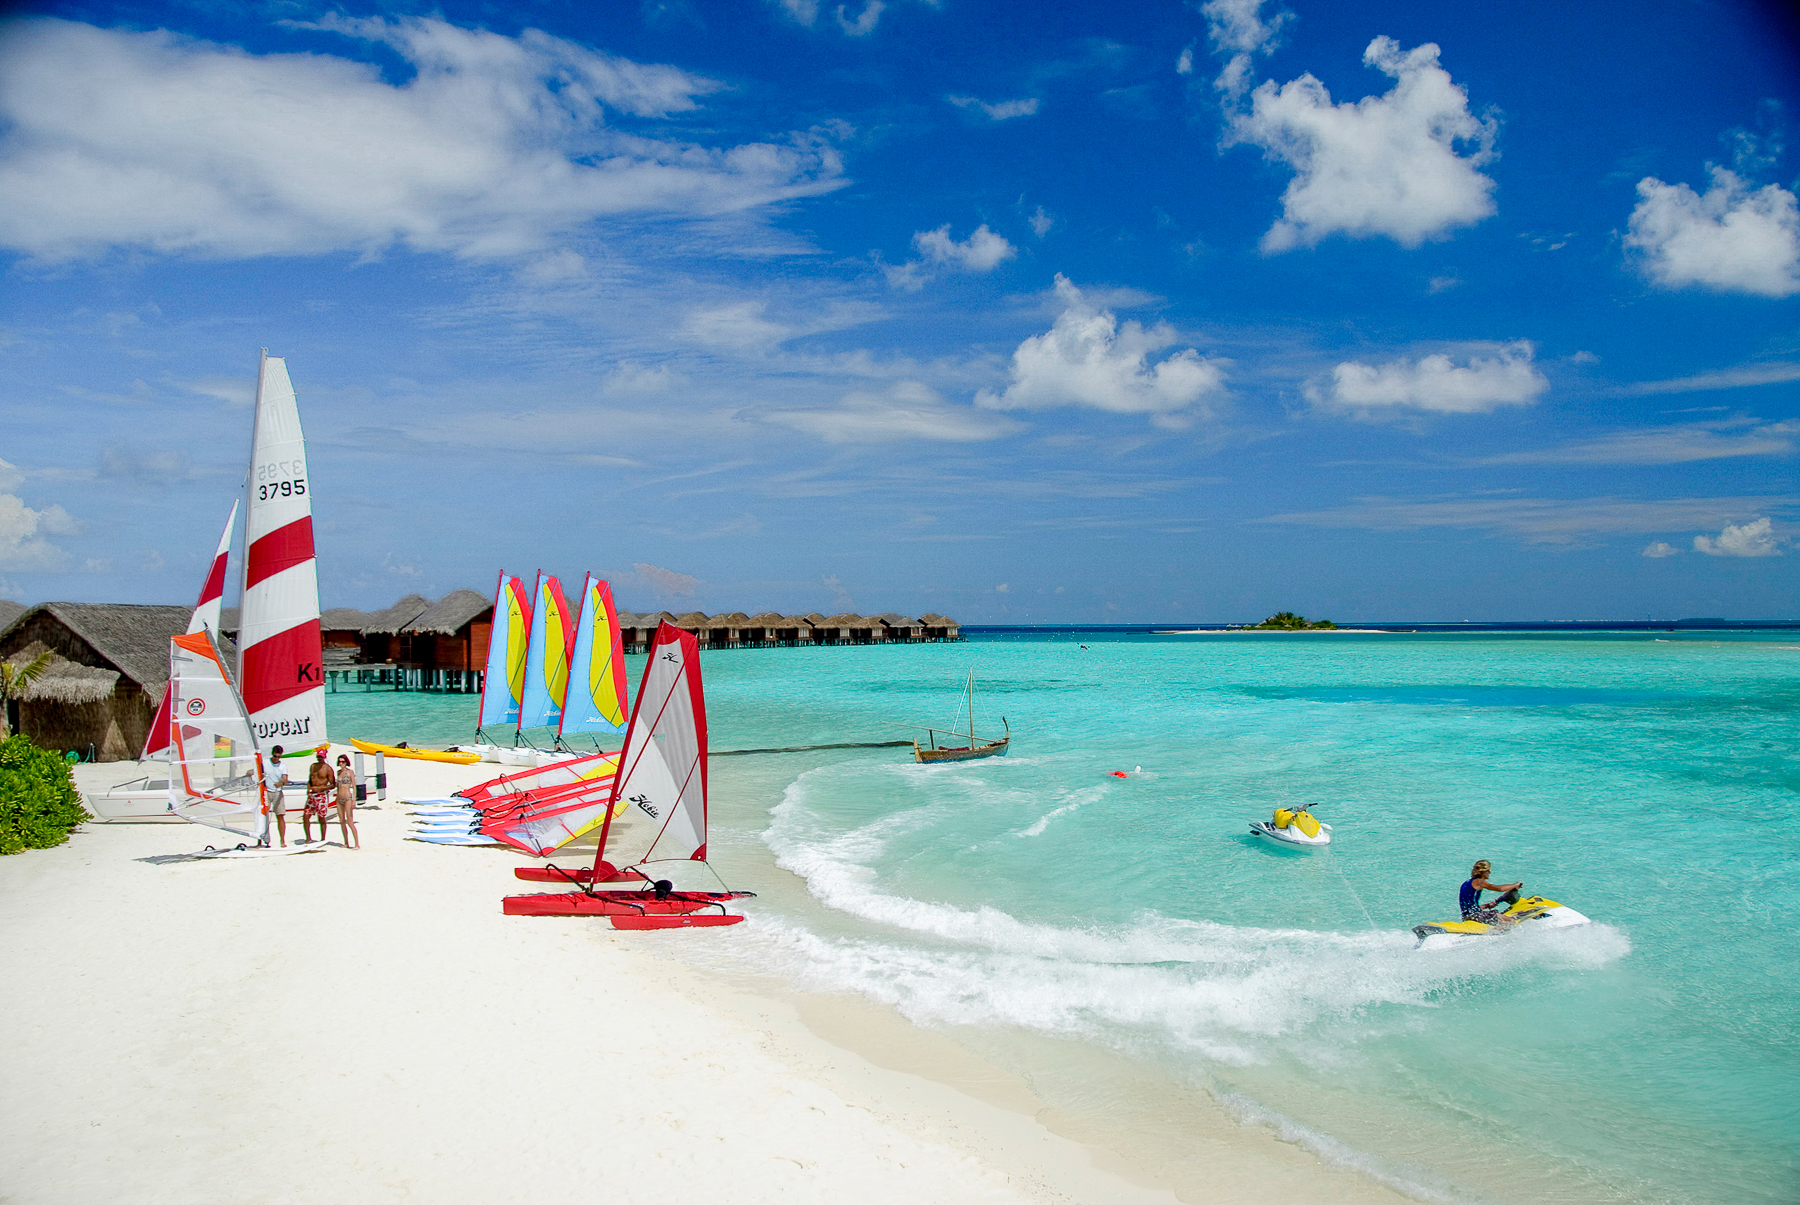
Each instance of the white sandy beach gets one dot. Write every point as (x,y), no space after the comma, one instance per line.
(367,1026)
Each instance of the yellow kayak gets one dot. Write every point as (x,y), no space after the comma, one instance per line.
(461,759)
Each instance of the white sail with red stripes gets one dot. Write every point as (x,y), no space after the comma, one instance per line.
(662,771)
(204,619)
(280,654)
(216,773)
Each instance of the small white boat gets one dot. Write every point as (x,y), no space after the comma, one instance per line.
(1294,827)
(143,798)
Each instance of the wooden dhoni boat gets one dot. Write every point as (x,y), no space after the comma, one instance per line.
(933,751)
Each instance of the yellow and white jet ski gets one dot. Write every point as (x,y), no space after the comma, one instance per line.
(1294,827)
(1535,909)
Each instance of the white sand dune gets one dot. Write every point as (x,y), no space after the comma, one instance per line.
(367,1026)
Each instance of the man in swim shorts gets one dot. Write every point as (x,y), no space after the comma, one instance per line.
(278,784)
(1470,895)
(321,792)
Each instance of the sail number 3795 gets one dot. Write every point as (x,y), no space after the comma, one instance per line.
(280,479)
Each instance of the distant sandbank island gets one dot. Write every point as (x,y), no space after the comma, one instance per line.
(1281,621)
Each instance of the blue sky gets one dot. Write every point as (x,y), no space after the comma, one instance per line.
(1118,313)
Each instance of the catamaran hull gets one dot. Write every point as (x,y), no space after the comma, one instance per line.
(580,903)
(147,803)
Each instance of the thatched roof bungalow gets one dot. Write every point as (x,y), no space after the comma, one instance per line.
(940,627)
(452,633)
(110,664)
(9,611)
(381,635)
(340,632)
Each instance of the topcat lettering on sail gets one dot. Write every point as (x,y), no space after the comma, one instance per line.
(294,727)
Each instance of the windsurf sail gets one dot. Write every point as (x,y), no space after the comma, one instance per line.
(280,653)
(662,776)
(547,658)
(662,772)
(215,771)
(204,619)
(596,701)
(503,685)
(543,819)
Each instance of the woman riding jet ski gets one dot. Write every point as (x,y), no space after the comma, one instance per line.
(1294,827)
(1490,920)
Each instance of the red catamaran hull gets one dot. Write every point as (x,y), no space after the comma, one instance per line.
(617,904)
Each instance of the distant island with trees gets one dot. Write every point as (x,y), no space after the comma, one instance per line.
(1287,621)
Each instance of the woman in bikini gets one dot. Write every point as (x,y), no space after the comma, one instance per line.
(320,787)
(346,801)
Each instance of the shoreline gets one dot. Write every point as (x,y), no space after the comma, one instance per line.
(194,1024)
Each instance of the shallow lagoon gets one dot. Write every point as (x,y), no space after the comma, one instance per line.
(1047,909)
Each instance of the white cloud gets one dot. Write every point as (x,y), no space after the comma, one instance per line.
(1088,359)
(1743,377)
(1383,166)
(906,410)
(1041,222)
(22,546)
(1732,238)
(803,11)
(739,325)
(239,390)
(998,110)
(1665,445)
(150,140)
(1746,539)
(666,581)
(1537,520)
(1434,383)
(1184,62)
(1236,28)
(840,597)
(1003,588)
(1660,549)
(10,476)
(863,24)
(982,251)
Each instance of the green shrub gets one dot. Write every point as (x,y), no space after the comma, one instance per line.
(38,801)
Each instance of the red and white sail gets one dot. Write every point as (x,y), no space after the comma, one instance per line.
(280,653)
(215,772)
(662,771)
(204,619)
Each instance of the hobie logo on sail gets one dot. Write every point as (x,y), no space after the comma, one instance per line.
(643,801)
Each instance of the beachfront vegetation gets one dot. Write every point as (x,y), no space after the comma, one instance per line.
(39,805)
(1288,621)
(14,678)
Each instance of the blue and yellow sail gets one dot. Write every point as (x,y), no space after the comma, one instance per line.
(547,658)
(503,685)
(596,698)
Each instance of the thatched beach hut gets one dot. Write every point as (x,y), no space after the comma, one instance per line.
(452,633)
(381,636)
(340,631)
(109,665)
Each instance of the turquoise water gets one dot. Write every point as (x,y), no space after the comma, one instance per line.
(1648,781)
